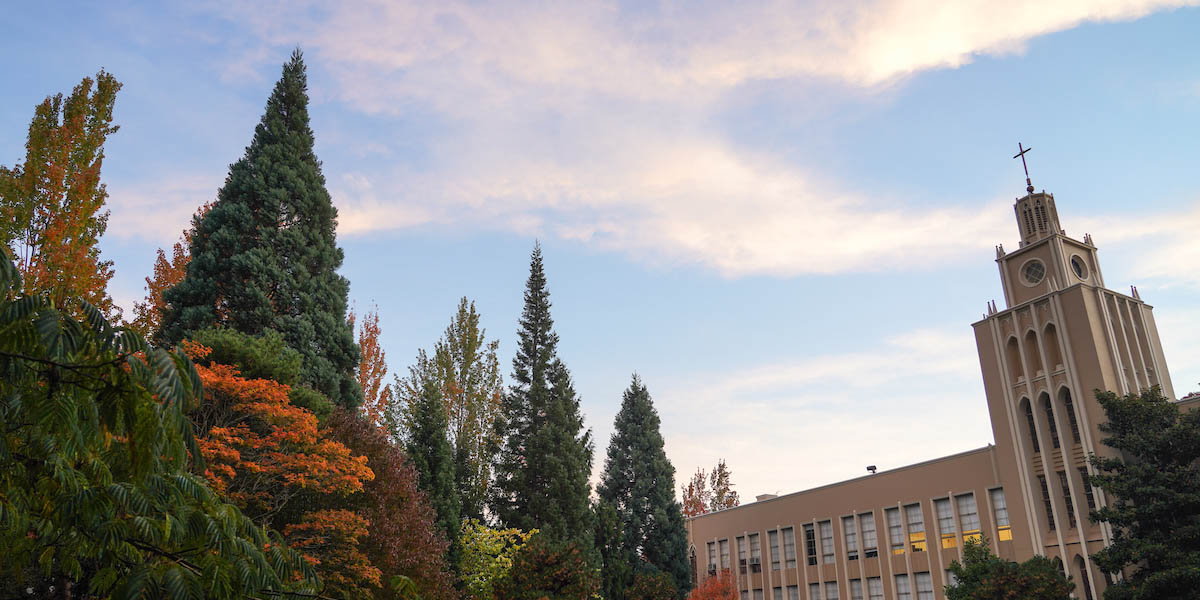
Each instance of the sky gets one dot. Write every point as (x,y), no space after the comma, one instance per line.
(782,216)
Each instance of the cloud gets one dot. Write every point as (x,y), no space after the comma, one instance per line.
(598,121)
(919,395)
(158,211)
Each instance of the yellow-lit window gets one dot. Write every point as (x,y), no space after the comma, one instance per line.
(898,551)
(972,536)
(917,541)
(1004,533)
(949,541)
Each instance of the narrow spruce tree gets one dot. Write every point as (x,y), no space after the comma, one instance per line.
(432,456)
(265,255)
(639,483)
(545,460)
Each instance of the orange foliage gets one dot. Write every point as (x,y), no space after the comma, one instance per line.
(716,587)
(372,368)
(696,495)
(262,452)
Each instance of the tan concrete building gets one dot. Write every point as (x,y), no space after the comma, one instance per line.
(893,534)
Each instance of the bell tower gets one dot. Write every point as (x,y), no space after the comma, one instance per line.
(1061,335)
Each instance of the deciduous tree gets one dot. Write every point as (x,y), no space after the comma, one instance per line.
(720,486)
(265,256)
(50,205)
(148,313)
(546,458)
(696,497)
(488,556)
(983,576)
(1154,484)
(372,368)
(652,585)
(717,587)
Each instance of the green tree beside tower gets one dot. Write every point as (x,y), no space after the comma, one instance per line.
(265,256)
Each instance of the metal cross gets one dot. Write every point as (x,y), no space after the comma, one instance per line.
(1023,150)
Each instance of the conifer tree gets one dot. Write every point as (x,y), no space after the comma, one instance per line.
(431,454)
(639,482)
(543,466)
(265,255)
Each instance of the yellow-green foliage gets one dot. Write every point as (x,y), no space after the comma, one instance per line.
(488,556)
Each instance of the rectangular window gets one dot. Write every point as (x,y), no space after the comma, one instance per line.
(1046,501)
(916,527)
(777,593)
(789,547)
(810,544)
(851,534)
(950,578)
(745,595)
(831,590)
(1053,427)
(945,517)
(826,528)
(1071,415)
(1087,487)
(903,592)
(741,546)
(712,556)
(874,588)
(793,592)
(1000,508)
(856,589)
(814,591)
(895,530)
(724,554)
(968,515)
(924,586)
(1066,492)
(870,541)
(758,595)
(773,540)
(755,554)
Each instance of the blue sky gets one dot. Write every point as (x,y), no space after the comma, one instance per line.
(781,215)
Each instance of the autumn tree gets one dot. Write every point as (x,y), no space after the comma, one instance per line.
(548,570)
(403,538)
(652,585)
(265,256)
(720,487)
(1154,484)
(148,313)
(267,455)
(639,483)
(541,478)
(51,216)
(465,367)
(696,497)
(716,587)
(372,368)
(488,556)
(983,576)
(96,497)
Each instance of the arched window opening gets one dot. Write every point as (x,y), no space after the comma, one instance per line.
(1033,438)
(1069,406)
(1014,360)
(1049,408)
(1053,352)
(1028,214)
(1034,368)
(1040,212)
(1084,581)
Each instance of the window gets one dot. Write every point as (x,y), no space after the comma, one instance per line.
(1050,417)
(874,588)
(741,546)
(1032,426)
(773,540)
(789,547)
(745,595)
(950,578)
(856,589)
(755,554)
(1087,487)
(814,591)
(968,515)
(831,590)
(1034,271)
(777,593)
(758,595)
(895,530)
(826,528)
(1071,415)
(712,556)
(851,534)
(810,544)
(924,586)
(1000,508)
(945,518)
(870,541)
(903,592)
(1046,501)
(724,554)
(793,592)
(916,527)
(1066,492)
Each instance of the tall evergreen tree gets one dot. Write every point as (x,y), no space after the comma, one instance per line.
(265,255)
(543,466)
(639,482)
(431,454)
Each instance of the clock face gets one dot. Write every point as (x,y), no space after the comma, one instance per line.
(1034,271)
(1079,267)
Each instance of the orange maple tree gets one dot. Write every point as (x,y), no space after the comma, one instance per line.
(716,587)
(372,368)
(696,495)
(263,452)
(50,205)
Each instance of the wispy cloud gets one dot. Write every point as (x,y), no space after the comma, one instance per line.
(158,210)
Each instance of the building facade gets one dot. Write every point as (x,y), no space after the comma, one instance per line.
(892,535)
